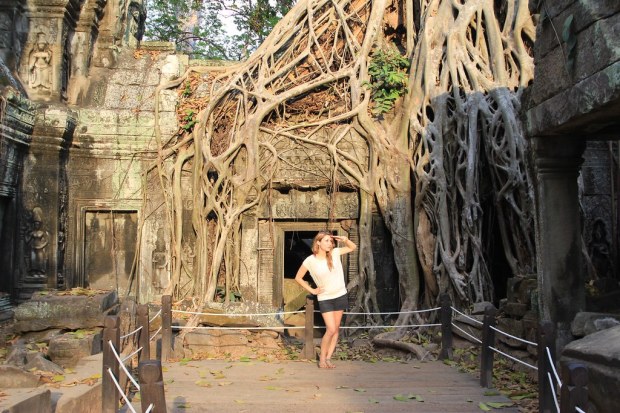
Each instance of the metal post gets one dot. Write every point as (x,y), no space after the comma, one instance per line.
(143,334)
(546,340)
(166,327)
(446,326)
(309,352)
(574,392)
(488,341)
(152,386)
(110,395)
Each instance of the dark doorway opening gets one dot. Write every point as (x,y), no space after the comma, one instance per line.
(297,246)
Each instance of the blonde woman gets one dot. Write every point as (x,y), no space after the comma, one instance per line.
(326,270)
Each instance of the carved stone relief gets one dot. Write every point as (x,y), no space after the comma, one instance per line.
(40,65)
(37,239)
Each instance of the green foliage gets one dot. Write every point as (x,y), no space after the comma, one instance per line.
(198,27)
(189,120)
(388,79)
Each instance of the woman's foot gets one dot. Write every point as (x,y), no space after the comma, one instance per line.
(329,364)
(323,364)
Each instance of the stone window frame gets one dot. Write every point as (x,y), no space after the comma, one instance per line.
(83,207)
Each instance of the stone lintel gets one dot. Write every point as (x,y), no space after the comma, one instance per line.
(590,107)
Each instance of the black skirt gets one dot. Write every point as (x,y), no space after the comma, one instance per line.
(335,304)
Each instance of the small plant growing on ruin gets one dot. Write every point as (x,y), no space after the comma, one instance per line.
(388,79)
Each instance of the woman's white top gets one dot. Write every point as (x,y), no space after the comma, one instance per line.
(332,281)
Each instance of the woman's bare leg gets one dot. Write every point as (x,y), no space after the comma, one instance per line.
(330,338)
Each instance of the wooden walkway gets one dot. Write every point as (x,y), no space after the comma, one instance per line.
(299,386)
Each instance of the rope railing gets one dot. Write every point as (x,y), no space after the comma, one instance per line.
(120,390)
(562,393)
(116,370)
(137,330)
(570,394)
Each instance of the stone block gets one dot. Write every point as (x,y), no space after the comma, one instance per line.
(12,377)
(574,108)
(30,401)
(584,13)
(68,349)
(600,354)
(39,362)
(587,323)
(231,342)
(59,311)
(480,307)
(168,100)
(515,309)
(512,327)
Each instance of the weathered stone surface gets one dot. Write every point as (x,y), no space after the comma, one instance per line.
(39,362)
(575,107)
(480,307)
(27,401)
(17,355)
(293,294)
(600,354)
(68,349)
(231,342)
(12,377)
(512,327)
(587,323)
(59,311)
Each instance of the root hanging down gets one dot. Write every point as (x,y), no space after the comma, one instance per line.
(299,113)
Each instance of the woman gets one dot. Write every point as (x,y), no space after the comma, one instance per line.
(325,268)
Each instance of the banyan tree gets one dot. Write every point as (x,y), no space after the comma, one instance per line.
(414,105)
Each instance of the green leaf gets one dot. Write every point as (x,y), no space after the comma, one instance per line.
(401,398)
(491,393)
(374,401)
(499,405)
(484,407)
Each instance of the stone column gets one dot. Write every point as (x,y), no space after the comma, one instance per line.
(44,209)
(561,279)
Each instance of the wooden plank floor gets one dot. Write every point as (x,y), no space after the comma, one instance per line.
(299,386)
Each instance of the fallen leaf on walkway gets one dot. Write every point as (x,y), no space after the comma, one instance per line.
(342,387)
(273,388)
(225,383)
(360,390)
(499,405)
(484,407)
(266,378)
(183,406)
(316,396)
(239,401)
(202,383)
(373,401)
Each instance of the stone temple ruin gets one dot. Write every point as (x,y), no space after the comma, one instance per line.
(77,135)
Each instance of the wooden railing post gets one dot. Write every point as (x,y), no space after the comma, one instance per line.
(110,395)
(446,326)
(486,354)
(143,335)
(166,327)
(574,392)
(152,386)
(546,340)
(309,352)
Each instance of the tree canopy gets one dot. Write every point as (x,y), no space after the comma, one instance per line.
(214,29)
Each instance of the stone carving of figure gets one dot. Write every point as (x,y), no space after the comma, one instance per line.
(39,64)
(159,262)
(599,250)
(37,240)
(136,20)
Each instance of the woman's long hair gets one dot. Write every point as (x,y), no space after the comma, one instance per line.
(315,247)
